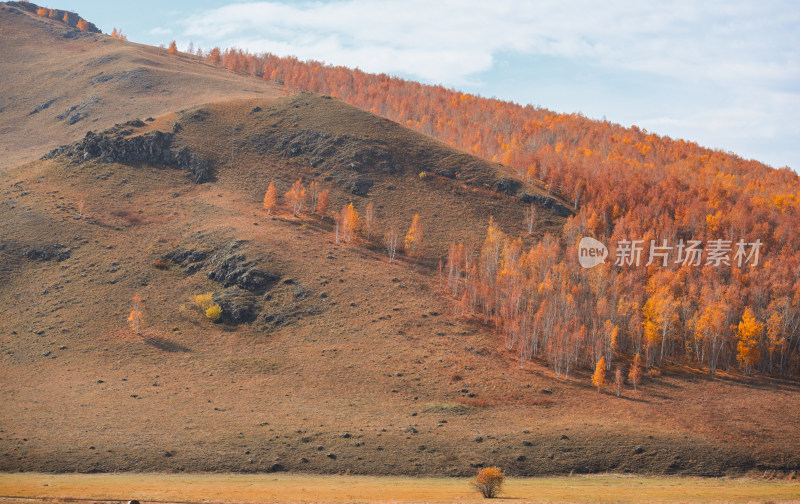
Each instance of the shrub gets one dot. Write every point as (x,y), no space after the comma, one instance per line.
(204,301)
(214,312)
(160,265)
(488,481)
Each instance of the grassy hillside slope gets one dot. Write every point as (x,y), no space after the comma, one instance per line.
(345,362)
(58,82)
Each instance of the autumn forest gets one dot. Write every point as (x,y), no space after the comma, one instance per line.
(625,185)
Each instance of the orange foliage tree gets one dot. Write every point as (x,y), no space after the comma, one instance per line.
(136,317)
(173,48)
(82,25)
(599,376)
(349,223)
(270,199)
(296,196)
(323,202)
(489,482)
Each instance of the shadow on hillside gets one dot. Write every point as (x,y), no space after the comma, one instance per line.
(166,345)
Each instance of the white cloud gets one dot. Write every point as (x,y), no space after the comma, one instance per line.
(159,31)
(750,51)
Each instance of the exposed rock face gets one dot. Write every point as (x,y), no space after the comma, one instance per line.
(153,148)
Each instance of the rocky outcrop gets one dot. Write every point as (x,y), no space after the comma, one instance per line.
(252,292)
(154,148)
(44,252)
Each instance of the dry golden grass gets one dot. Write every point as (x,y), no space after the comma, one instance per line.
(298,488)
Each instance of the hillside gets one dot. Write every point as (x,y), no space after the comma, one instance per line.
(65,82)
(328,358)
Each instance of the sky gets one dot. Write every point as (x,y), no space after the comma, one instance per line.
(725,74)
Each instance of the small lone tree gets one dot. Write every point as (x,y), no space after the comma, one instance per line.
(599,376)
(618,381)
(413,241)
(136,316)
(270,199)
(391,240)
(370,221)
(323,203)
(530,218)
(489,482)
(635,374)
(173,48)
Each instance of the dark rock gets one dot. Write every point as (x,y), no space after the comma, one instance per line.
(276,467)
(564,437)
(359,187)
(479,439)
(507,186)
(331,456)
(55,252)
(42,106)
(521,458)
(237,305)
(546,391)
(638,449)
(153,148)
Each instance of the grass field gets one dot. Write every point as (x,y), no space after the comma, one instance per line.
(335,489)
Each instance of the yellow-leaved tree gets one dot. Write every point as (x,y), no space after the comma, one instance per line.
(749,334)
(413,241)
